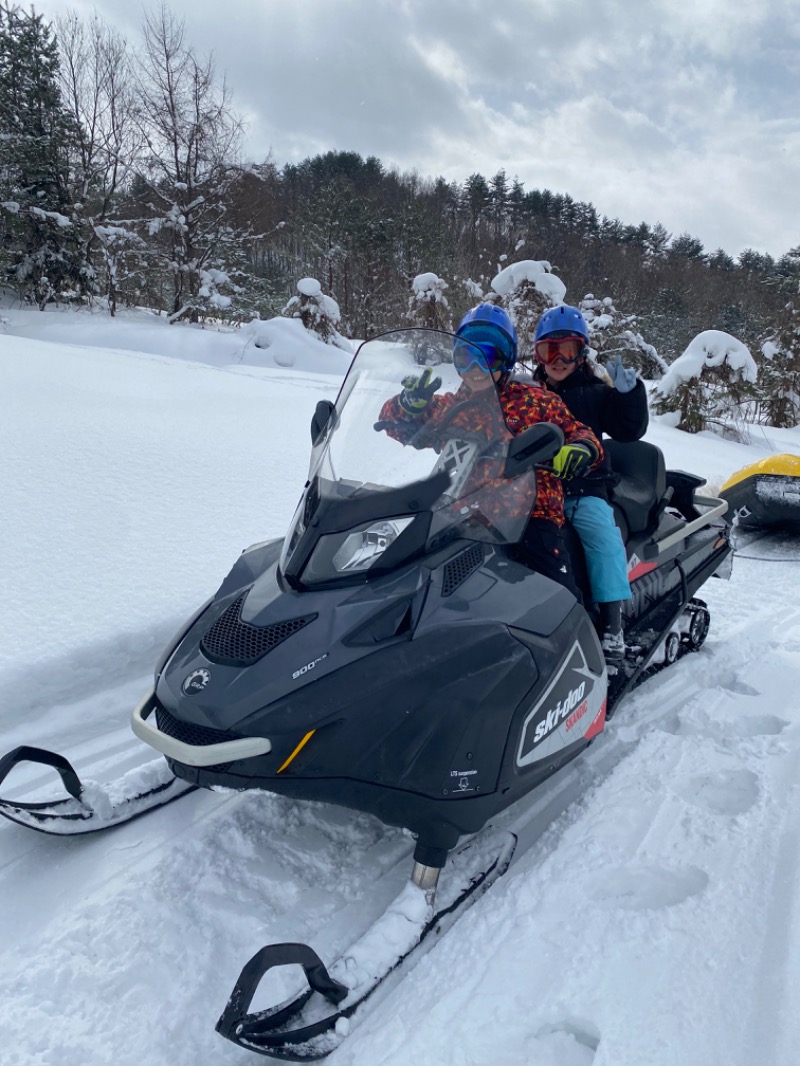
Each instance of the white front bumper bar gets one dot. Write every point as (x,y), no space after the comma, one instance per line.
(192,754)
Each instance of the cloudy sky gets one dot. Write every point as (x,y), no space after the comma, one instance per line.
(685,112)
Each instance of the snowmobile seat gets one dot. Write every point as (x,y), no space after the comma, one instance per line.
(642,493)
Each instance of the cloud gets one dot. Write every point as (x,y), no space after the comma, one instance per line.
(689,115)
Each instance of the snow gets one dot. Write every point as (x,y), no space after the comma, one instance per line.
(309,287)
(536,271)
(318,313)
(56,216)
(770,349)
(429,286)
(331,308)
(711,348)
(653,914)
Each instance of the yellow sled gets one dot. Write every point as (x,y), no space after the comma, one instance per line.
(766,494)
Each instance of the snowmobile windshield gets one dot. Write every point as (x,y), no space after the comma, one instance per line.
(404,415)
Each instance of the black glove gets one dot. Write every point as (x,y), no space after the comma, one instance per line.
(418,392)
(574,460)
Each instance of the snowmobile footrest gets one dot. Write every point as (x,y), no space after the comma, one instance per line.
(256,1031)
(64,768)
(87,807)
(25,754)
(304,1028)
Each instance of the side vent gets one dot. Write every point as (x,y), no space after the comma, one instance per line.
(393,622)
(232,642)
(458,569)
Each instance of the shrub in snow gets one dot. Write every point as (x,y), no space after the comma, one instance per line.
(318,313)
(709,384)
(428,308)
(611,332)
(208,301)
(526,290)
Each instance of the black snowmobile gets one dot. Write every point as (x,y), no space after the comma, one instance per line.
(393,655)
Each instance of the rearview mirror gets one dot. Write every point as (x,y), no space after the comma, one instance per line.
(533,446)
(320,419)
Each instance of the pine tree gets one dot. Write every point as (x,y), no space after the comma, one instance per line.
(37,138)
(526,290)
(428,308)
(611,333)
(711,385)
(779,371)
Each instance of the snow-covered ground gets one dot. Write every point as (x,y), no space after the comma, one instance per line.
(654,917)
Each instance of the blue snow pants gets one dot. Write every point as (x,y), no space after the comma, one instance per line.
(603,547)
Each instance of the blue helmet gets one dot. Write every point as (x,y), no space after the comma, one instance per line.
(489,324)
(562,321)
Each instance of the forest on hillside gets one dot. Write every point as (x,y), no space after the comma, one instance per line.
(122,183)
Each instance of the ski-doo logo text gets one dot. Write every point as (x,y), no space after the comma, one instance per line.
(559,713)
(576,717)
(196,681)
(574,692)
(308,666)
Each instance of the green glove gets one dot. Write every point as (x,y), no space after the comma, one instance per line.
(574,460)
(418,391)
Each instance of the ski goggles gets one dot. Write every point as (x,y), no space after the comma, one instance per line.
(485,357)
(567,349)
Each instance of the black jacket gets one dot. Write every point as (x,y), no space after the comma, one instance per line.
(623,416)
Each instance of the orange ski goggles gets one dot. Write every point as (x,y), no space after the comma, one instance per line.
(567,349)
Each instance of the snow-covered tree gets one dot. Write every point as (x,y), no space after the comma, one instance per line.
(473,289)
(611,332)
(319,313)
(708,384)
(121,251)
(427,305)
(42,254)
(192,139)
(97,87)
(526,290)
(779,372)
(429,309)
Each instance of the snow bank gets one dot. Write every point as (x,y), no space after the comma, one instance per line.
(271,343)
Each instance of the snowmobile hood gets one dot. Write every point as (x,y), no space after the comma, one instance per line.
(258,646)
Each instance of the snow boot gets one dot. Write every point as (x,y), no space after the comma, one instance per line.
(612,641)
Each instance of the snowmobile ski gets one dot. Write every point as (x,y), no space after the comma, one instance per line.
(316,1021)
(89,807)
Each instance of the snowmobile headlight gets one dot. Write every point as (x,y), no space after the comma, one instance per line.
(365,546)
(354,551)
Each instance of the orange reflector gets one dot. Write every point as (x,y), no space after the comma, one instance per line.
(297,750)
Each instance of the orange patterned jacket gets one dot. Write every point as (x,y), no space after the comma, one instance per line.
(522,405)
